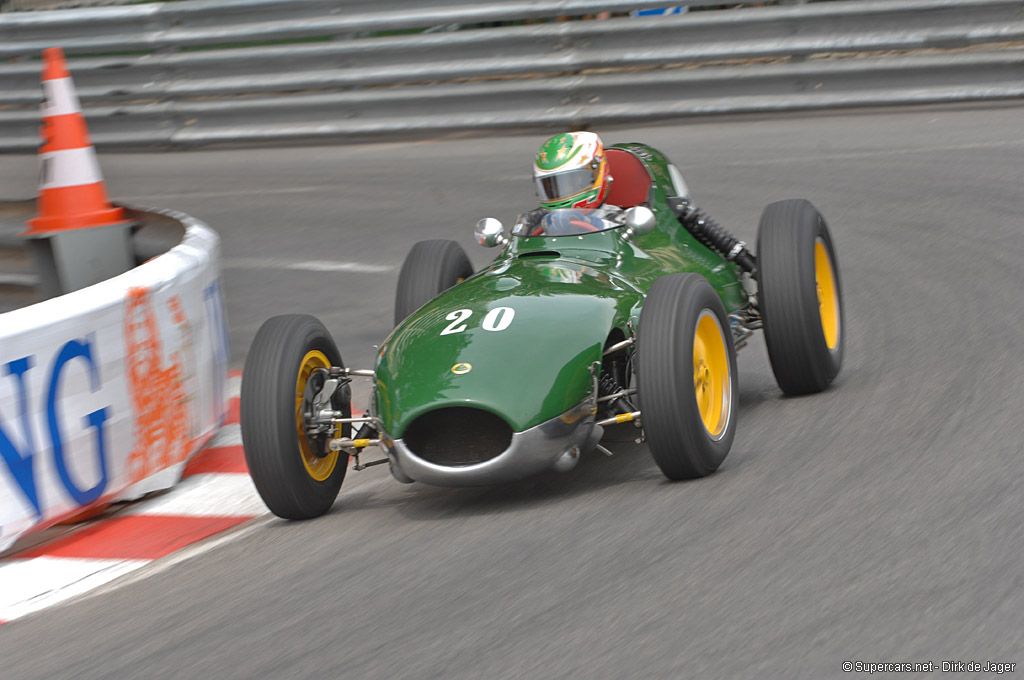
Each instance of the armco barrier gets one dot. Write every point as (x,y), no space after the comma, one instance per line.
(357,79)
(194,23)
(107,391)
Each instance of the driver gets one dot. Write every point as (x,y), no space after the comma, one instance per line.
(570,171)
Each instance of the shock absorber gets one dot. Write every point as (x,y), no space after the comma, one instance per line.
(609,385)
(714,236)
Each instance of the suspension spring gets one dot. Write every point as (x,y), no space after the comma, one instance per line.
(714,236)
(609,385)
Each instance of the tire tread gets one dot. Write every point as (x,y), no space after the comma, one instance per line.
(800,359)
(266,414)
(676,435)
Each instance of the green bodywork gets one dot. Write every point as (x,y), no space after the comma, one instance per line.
(568,293)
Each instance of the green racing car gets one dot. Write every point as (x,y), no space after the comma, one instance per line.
(616,301)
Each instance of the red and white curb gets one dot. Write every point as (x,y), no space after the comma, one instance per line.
(215,494)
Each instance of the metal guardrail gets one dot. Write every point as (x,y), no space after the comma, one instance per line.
(353,83)
(215,22)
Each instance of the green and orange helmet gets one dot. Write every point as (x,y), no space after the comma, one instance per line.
(571,171)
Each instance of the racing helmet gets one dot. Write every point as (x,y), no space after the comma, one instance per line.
(571,171)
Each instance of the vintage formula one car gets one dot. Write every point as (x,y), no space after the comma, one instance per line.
(627,312)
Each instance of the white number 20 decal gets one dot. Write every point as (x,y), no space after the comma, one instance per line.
(498,319)
(456,318)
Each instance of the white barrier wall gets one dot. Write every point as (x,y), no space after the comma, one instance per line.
(107,391)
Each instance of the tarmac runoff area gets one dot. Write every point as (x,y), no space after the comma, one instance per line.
(877,522)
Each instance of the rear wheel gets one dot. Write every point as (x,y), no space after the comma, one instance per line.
(430,268)
(800,297)
(295,473)
(686,376)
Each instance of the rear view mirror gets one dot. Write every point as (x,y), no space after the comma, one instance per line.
(639,221)
(490,232)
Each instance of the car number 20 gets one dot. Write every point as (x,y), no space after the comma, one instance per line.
(498,319)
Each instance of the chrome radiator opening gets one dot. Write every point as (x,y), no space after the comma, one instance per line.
(457,436)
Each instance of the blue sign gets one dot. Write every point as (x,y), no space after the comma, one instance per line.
(663,11)
(20,461)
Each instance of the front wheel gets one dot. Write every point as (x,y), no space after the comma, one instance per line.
(430,268)
(295,473)
(800,297)
(686,376)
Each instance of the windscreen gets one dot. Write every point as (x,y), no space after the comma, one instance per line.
(567,222)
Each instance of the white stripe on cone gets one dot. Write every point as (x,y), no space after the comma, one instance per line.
(59,98)
(69,168)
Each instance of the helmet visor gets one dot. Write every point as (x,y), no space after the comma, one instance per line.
(564,184)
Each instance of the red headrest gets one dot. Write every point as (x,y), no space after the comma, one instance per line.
(631,183)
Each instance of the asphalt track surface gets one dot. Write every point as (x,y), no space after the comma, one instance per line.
(881,521)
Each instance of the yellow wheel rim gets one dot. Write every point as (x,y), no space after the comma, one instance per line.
(318,468)
(712,384)
(828,294)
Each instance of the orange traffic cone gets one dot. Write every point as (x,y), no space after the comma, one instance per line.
(67,255)
(71,191)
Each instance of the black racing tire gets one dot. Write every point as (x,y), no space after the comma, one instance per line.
(290,477)
(430,268)
(686,379)
(800,295)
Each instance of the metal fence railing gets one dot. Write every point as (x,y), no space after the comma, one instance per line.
(240,71)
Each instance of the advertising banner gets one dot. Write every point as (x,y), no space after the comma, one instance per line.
(107,391)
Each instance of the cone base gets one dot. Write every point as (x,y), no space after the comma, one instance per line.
(72,259)
(97,218)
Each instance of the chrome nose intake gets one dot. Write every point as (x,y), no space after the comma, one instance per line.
(458,436)
(466,446)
